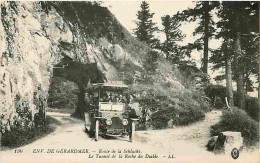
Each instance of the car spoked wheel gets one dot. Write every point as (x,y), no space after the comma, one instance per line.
(96,129)
(132,132)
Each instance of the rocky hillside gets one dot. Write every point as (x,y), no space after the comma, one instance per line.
(79,41)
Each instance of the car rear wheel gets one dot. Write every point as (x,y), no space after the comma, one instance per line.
(132,131)
(96,130)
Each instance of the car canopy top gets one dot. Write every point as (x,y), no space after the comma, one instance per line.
(108,86)
(97,85)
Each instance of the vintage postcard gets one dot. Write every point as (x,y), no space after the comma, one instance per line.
(129,81)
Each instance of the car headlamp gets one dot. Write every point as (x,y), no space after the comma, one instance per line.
(125,122)
(109,122)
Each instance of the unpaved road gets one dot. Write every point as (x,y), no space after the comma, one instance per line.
(180,144)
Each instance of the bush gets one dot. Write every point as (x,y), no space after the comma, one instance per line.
(160,120)
(21,135)
(252,107)
(18,136)
(182,107)
(239,121)
(191,115)
(62,94)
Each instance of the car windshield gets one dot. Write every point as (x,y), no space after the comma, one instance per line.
(108,106)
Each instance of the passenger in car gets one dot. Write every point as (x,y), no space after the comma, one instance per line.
(111,98)
(104,98)
(122,99)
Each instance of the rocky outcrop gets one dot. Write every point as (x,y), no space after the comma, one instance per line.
(79,41)
(225,142)
(35,41)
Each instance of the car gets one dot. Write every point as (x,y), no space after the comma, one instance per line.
(110,113)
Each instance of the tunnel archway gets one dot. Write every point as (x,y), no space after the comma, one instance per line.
(81,74)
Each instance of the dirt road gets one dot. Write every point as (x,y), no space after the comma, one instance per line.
(70,143)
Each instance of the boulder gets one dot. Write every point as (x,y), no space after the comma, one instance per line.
(228,140)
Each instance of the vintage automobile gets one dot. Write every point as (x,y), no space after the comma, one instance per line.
(107,117)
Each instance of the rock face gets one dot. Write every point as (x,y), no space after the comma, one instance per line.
(34,40)
(225,142)
(39,40)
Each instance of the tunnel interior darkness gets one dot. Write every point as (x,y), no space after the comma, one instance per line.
(81,74)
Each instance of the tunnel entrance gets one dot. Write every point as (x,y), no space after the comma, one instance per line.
(62,95)
(80,74)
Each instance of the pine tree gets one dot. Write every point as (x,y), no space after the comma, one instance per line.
(201,13)
(239,23)
(150,66)
(173,34)
(145,26)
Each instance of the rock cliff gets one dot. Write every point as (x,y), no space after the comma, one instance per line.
(39,40)
(79,41)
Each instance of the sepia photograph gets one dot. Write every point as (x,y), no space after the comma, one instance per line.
(156,81)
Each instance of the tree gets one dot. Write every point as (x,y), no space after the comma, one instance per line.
(173,34)
(201,13)
(222,57)
(150,66)
(239,31)
(145,26)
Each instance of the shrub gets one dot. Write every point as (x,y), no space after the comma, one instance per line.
(21,135)
(186,116)
(217,94)
(239,121)
(191,115)
(159,120)
(62,94)
(252,107)
(18,136)
(182,107)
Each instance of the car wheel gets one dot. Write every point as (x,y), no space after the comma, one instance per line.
(132,131)
(96,130)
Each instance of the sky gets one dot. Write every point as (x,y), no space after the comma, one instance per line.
(125,12)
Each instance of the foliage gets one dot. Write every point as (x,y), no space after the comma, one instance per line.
(192,74)
(62,94)
(94,20)
(249,33)
(166,102)
(238,24)
(150,66)
(217,94)
(145,26)
(203,14)
(19,134)
(252,107)
(174,52)
(239,121)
